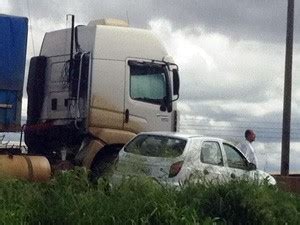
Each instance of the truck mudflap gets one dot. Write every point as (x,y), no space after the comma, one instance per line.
(24,167)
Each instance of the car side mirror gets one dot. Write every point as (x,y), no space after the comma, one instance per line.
(251,166)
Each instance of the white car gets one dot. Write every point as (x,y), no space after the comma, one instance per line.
(173,158)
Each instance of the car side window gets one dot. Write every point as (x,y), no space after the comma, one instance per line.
(211,153)
(234,158)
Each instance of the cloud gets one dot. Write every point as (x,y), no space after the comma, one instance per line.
(24,108)
(236,19)
(269,157)
(5,7)
(264,21)
(213,67)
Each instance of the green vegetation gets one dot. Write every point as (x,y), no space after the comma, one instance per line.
(70,198)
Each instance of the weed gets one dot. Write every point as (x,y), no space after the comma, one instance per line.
(69,198)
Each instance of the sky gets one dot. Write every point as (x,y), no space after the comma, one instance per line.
(230,53)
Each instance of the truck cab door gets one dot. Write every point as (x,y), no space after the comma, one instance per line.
(147,97)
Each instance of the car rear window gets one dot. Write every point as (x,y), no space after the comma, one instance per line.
(156,146)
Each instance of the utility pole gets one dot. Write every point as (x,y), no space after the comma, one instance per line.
(286,122)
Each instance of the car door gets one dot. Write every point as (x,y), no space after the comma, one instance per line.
(211,163)
(147,86)
(236,163)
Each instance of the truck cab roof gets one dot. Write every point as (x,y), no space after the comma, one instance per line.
(106,42)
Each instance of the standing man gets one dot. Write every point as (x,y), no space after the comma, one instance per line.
(246,146)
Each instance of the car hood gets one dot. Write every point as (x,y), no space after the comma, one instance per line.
(265,177)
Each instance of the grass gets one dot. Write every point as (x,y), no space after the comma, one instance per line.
(70,198)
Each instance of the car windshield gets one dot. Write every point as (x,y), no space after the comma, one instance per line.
(156,146)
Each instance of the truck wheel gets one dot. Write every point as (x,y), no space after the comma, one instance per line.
(103,164)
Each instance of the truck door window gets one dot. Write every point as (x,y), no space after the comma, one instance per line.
(147,82)
(234,157)
(211,153)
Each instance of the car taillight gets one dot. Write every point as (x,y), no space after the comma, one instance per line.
(175,168)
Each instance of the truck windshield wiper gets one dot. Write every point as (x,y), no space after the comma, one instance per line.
(151,100)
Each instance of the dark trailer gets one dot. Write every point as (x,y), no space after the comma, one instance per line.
(13,44)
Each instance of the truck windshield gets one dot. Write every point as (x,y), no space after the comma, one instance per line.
(156,146)
(148,82)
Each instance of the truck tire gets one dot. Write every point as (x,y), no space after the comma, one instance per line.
(103,164)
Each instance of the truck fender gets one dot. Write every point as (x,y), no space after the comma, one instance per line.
(88,153)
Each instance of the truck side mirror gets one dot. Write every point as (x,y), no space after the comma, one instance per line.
(175,82)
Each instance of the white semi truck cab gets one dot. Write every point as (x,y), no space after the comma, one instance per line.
(94,87)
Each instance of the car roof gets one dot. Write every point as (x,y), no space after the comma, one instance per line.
(180,135)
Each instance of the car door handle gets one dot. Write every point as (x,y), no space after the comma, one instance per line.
(205,171)
(232,176)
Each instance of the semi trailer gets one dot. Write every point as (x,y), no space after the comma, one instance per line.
(94,87)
